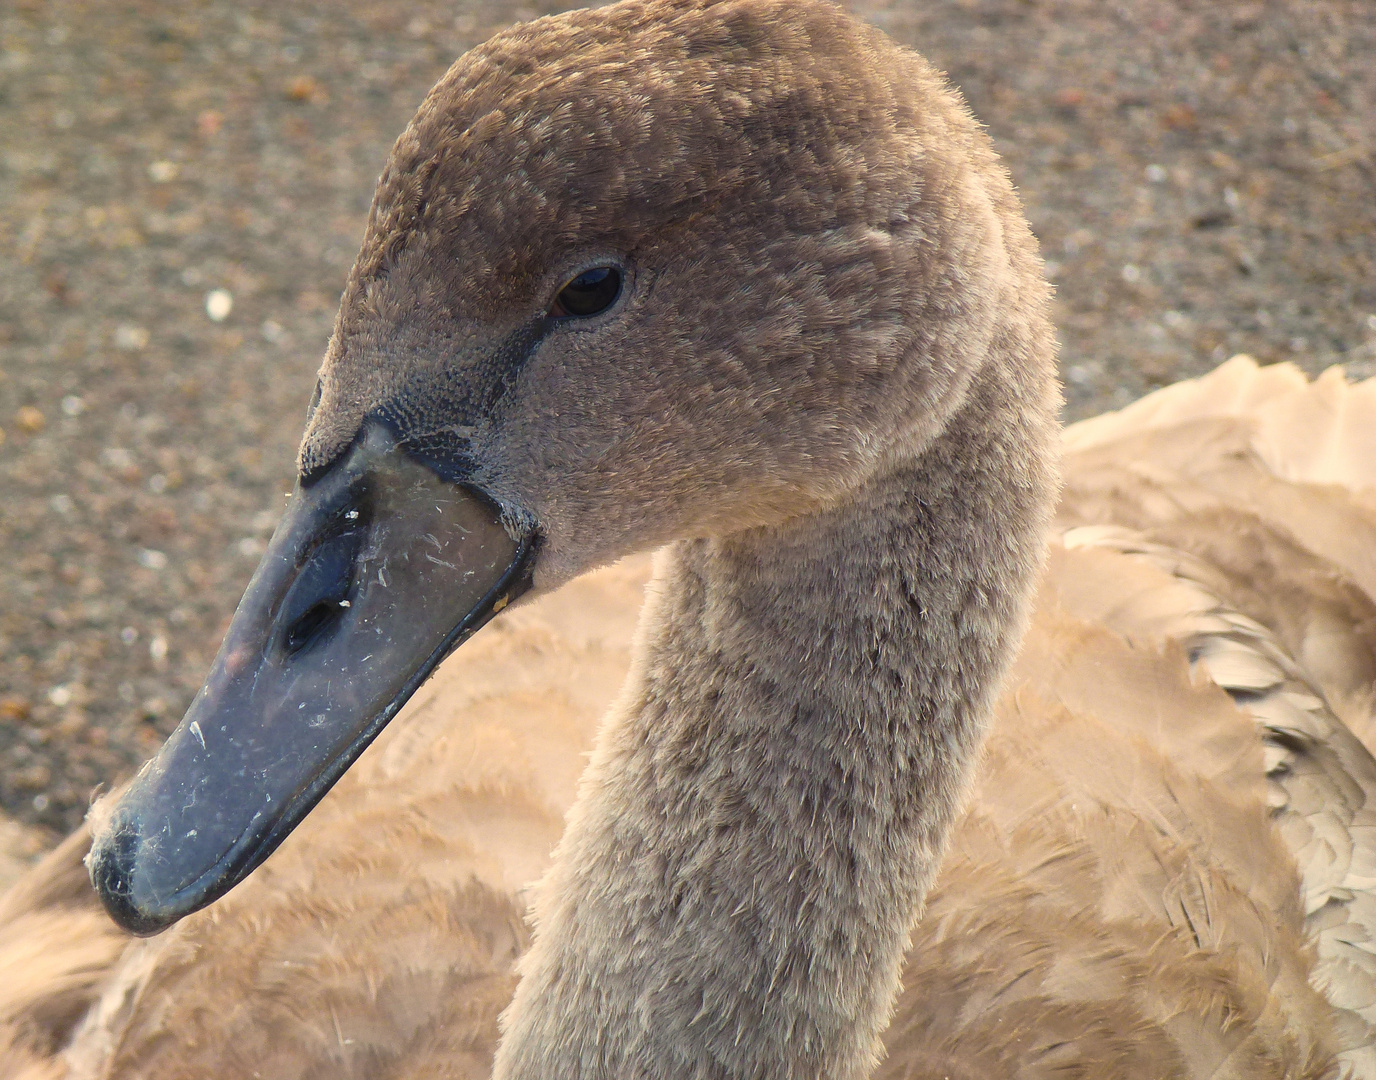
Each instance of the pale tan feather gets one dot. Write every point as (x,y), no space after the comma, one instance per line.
(1315,432)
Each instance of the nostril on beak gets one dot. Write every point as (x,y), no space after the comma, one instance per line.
(319,597)
(313,624)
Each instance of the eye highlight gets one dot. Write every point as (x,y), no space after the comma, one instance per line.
(590,293)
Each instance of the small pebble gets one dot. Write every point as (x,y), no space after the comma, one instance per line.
(161,172)
(305,88)
(72,723)
(30,419)
(116,457)
(61,696)
(14,708)
(152,559)
(218,304)
(73,405)
(130,338)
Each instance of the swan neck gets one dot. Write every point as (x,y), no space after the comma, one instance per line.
(768,804)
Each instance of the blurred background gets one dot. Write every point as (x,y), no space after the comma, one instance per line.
(183,184)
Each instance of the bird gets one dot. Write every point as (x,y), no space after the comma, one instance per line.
(816,706)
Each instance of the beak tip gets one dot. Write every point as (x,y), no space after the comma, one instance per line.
(379,569)
(111,865)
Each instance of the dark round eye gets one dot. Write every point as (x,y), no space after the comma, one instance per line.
(590,293)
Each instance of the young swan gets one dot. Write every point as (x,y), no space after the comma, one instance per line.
(744,278)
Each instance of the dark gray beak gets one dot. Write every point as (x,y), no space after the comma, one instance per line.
(378,570)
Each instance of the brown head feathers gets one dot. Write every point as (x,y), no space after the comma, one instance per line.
(815,240)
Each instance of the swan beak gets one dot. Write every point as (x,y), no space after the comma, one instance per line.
(379,569)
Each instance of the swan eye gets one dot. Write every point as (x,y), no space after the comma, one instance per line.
(590,293)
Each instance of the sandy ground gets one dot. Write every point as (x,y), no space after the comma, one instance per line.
(1202,176)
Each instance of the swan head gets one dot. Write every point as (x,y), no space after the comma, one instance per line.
(661,270)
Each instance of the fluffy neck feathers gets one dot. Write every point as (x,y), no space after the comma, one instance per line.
(767,806)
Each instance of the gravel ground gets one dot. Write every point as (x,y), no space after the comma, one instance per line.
(183,185)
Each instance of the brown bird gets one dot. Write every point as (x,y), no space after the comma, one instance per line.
(744,282)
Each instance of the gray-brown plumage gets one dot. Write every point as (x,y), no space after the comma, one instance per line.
(828,387)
